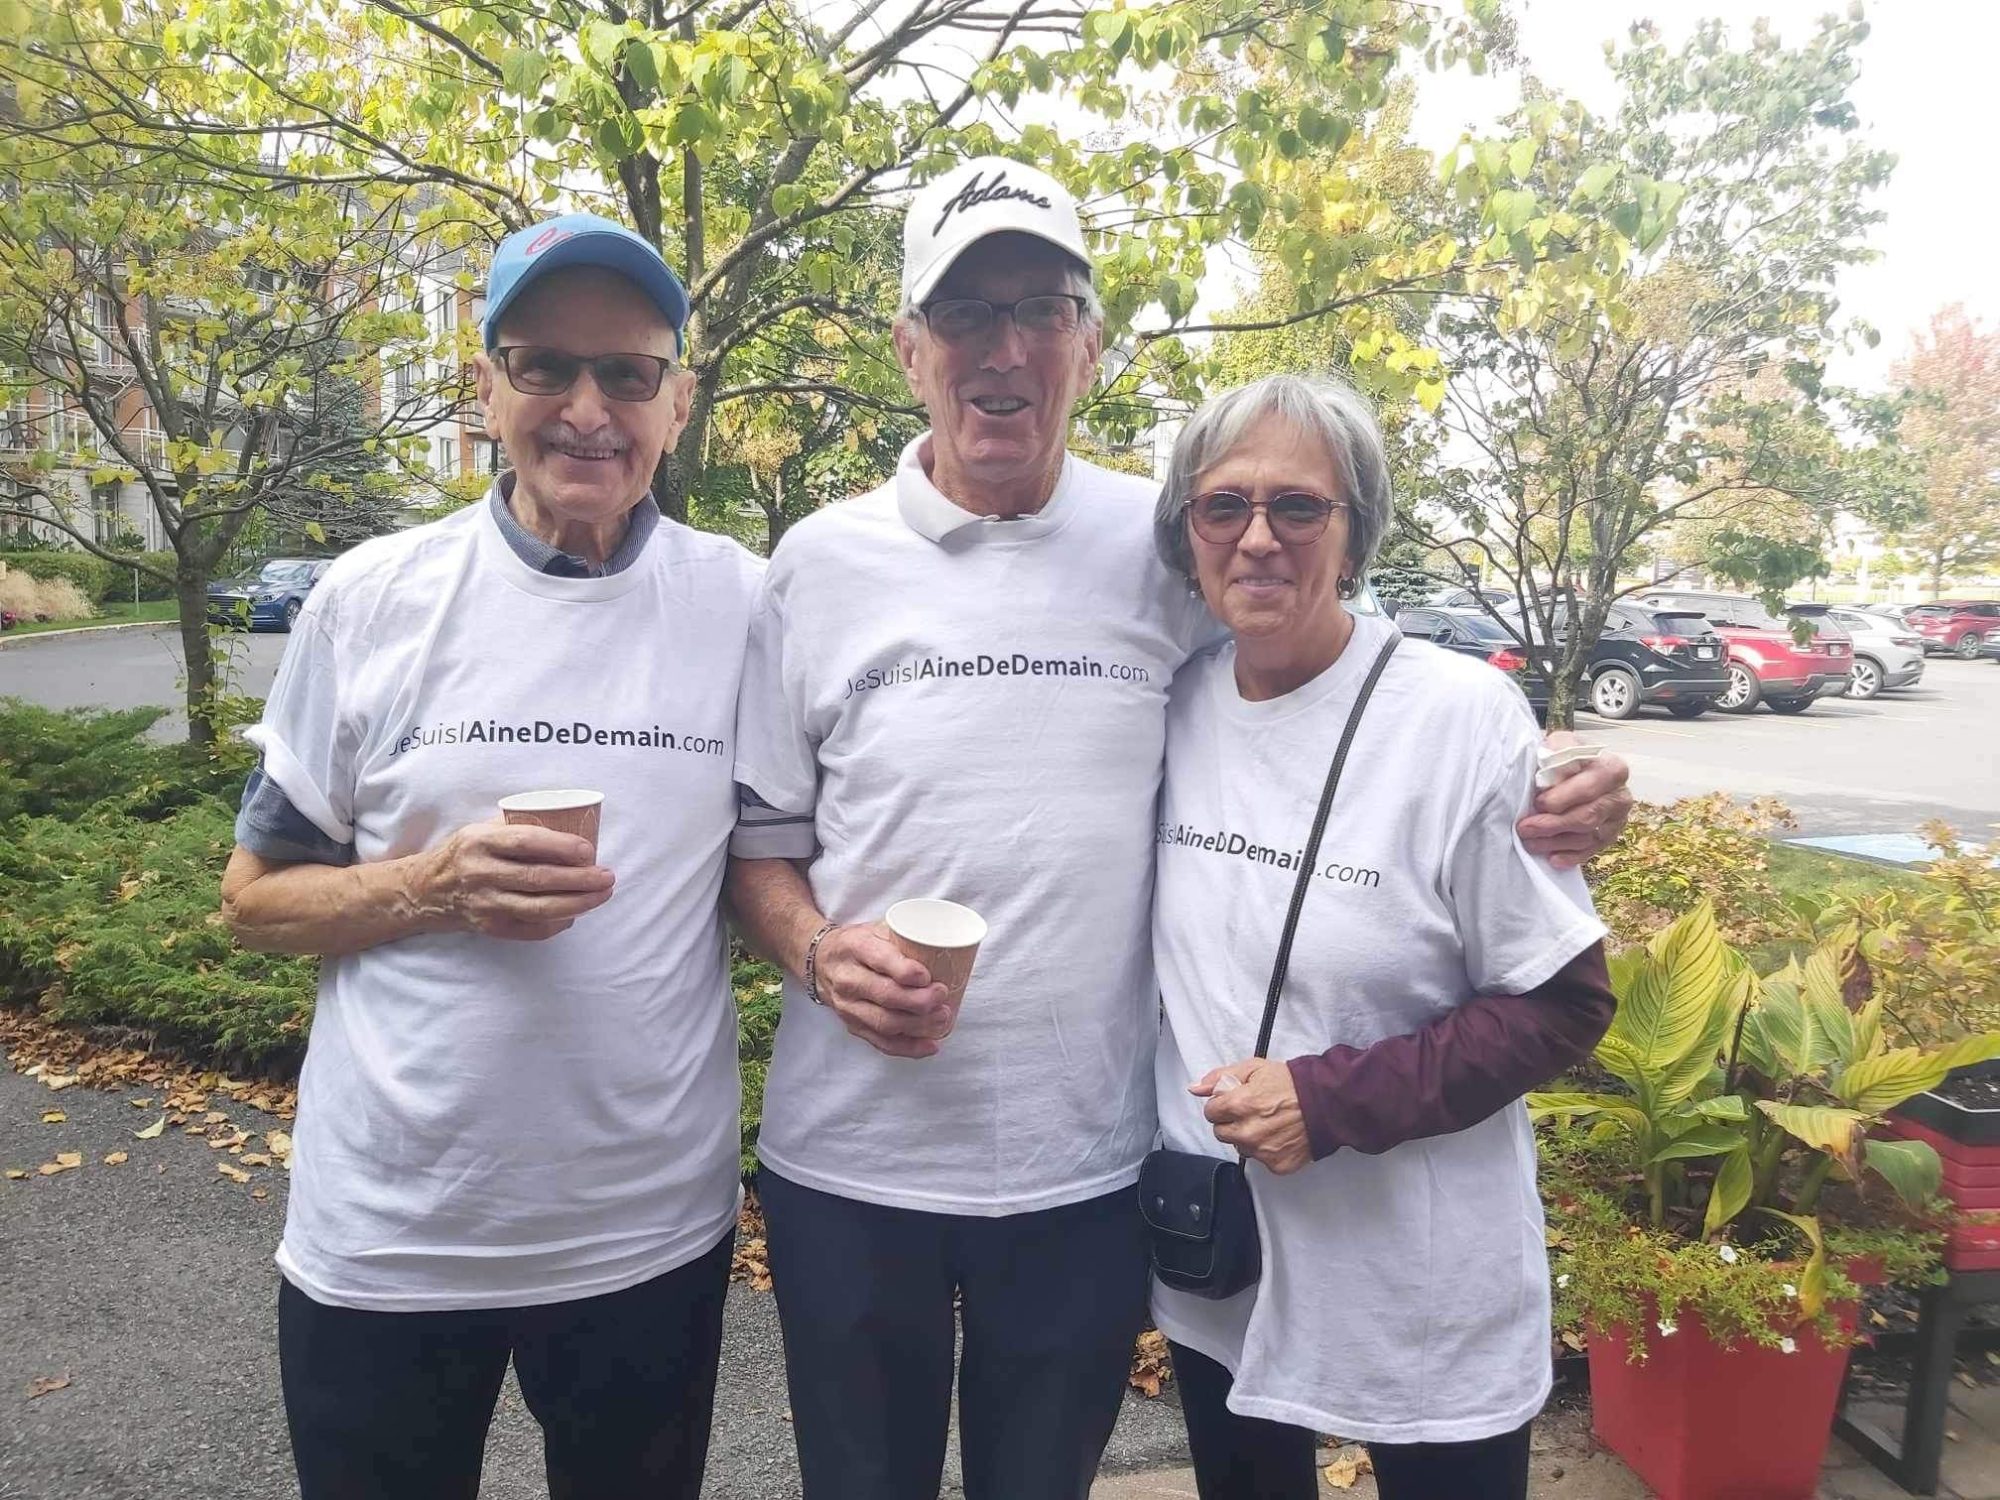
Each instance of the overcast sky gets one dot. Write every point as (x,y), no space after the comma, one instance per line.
(1927,92)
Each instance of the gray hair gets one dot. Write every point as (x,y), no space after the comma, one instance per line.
(1316,405)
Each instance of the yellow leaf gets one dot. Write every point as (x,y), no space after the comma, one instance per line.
(53,1117)
(15,1174)
(66,1161)
(61,1082)
(116,1159)
(1348,1465)
(152,1131)
(254,1159)
(280,1146)
(233,1173)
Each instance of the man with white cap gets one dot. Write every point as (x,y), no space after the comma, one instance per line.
(517,1128)
(956,686)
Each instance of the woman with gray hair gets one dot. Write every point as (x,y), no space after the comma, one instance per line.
(1436,972)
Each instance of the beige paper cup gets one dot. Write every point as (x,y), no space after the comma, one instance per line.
(942,936)
(568,810)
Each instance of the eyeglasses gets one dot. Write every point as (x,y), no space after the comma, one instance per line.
(1297,518)
(958,320)
(535,371)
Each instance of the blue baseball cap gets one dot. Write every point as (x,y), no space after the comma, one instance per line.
(527,255)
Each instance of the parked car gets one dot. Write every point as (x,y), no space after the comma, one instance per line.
(1885,654)
(268,596)
(1467,598)
(1961,626)
(1765,665)
(1671,657)
(1470,632)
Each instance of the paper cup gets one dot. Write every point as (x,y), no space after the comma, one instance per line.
(570,810)
(942,936)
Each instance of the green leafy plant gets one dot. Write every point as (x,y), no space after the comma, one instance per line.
(1736,1100)
(1676,856)
(1931,944)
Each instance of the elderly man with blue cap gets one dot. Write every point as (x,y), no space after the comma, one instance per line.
(517,1129)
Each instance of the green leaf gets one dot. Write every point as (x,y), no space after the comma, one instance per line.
(1703,1140)
(1812,1280)
(1581,1106)
(1512,209)
(1910,1167)
(1730,1193)
(1837,1132)
(1724,1107)
(522,71)
(316,531)
(1521,156)
(638,58)
(1591,185)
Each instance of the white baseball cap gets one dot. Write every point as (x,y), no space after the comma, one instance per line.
(986,195)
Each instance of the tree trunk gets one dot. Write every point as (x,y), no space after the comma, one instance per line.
(191,597)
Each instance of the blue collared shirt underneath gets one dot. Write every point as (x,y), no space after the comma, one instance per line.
(269,825)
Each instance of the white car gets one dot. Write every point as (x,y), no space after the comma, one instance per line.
(1887,654)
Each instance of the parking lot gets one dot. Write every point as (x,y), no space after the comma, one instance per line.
(1883,766)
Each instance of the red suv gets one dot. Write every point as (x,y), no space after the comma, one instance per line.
(1765,664)
(1957,625)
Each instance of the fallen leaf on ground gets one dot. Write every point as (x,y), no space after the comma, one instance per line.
(53,1117)
(1348,1466)
(62,1082)
(152,1131)
(66,1161)
(254,1159)
(1151,1369)
(233,1173)
(260,1193)
(140,1103)
(280,1145)
(116,1159)
(43,1384)
(15,1174)
(215,1117)
(228,1142)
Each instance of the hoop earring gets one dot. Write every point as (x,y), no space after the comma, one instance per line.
(1348,587)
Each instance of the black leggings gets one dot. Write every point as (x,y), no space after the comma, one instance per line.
(1249,1458)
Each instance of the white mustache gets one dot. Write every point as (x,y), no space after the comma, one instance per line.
(562,435)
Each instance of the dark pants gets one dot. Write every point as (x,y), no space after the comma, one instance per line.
(1248,1458)
(1050,1302)
(388,1405)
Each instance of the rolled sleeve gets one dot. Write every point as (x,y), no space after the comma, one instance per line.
(777,758)
(307,748)
(270,825)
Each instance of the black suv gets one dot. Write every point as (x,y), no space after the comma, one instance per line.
(1667,656)
(1470,632)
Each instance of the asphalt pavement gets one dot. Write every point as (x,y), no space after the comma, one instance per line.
(148,1288)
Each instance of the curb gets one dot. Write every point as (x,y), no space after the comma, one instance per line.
(10,643)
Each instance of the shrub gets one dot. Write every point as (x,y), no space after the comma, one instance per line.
(1931,943)
(32,598)
(78,762)
(93,575)
(1674,857)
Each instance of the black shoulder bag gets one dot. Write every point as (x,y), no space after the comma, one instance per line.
(1201,1226)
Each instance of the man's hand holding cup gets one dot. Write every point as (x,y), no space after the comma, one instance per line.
(897,983)
(525,876)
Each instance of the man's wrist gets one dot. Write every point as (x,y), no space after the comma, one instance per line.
(809,967)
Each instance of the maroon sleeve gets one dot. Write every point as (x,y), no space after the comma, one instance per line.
(1459,1069)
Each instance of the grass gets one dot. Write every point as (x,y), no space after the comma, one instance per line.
(1798,871)
(152,610)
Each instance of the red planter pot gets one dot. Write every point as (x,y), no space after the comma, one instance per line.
(1700,1421)
(1971,1180)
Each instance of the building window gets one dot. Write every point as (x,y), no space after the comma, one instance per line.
(485,456)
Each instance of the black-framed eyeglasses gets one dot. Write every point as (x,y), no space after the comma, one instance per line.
(535,371)
(957,320)
(1297,518)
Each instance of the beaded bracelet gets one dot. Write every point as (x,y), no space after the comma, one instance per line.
(812,963)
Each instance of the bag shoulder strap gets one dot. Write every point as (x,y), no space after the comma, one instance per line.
(1311,856)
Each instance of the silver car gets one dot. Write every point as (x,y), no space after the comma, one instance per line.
(1886,653)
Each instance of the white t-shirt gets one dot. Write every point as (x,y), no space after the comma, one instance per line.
(486,1123)
(975,710)
(1405,1296)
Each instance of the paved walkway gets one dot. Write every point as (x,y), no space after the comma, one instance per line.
(137,1294)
